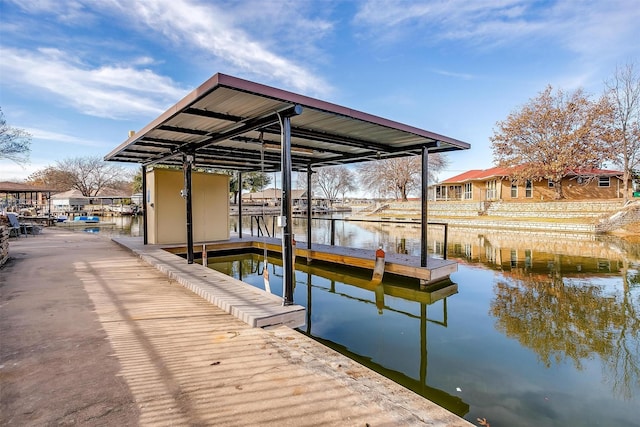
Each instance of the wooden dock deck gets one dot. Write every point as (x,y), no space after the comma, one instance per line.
(403,265)
(253,306)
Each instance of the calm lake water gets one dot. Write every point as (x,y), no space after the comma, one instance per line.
(533,329)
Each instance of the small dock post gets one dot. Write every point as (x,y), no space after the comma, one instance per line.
(378,269)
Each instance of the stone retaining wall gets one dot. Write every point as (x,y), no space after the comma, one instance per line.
(560,209)
(521,225)
(543,210)
(597,216)
(620,219)
(4,245)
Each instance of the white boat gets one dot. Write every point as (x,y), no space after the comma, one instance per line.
(121,209)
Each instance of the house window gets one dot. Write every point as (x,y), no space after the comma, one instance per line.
(604,181)
(468,191)
(551,183)
(456,192)
(491,190)
(528,189)
(441,192)
(514,189)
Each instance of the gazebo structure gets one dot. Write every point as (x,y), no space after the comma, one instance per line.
(15,196)
(235,124)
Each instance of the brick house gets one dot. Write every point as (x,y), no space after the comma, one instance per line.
(496,184)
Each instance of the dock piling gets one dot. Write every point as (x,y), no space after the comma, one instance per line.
(378,269)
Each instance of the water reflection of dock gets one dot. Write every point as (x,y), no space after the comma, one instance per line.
(425,297)
(405,289)
(341,283)
(448,401)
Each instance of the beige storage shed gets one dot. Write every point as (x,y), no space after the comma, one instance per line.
(166,215)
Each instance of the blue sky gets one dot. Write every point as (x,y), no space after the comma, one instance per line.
(79,74)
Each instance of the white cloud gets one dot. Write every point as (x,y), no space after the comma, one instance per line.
(599,28)
(107,91)
(13,172)
(462,76)
(67,11)
(209,28)
(64,138)
(589,27)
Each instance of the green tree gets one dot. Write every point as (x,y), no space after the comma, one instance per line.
(252,181)
(255,181)
(136,184)
(553,134)
(15,143)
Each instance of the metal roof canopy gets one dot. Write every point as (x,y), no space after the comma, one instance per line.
(221,122)
(230,123)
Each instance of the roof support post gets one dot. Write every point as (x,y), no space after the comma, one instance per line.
(423,206)
(187,163)
(288,253)
(145,237)
(309,212)
(240,205)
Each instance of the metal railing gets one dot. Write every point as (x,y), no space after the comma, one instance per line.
(263,229)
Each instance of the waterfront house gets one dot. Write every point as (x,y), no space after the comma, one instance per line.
(74,201)
(497,184)
(273,197)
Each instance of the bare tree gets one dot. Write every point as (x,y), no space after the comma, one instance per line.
(53,178)
(15,143)
(347,178)
(623,91)
(552,135)
(400,176)
(333,180)
(89,175)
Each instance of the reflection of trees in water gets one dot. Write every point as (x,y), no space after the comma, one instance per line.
(502,249)
(573,320)
(238,266)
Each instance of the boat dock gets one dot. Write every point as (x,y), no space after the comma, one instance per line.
(399,264)
(80,224)
(112,337)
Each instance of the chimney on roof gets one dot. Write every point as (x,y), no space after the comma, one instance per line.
(131,133)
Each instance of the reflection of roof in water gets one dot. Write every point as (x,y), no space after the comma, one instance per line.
(452,403)
(400,288)
(393,285)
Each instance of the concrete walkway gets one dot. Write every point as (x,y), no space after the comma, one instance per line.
(92,335)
